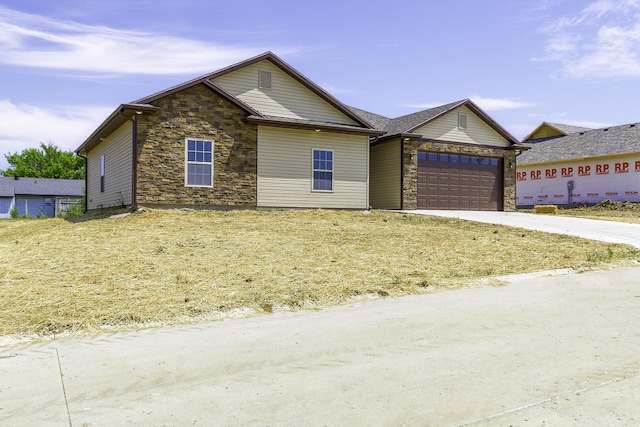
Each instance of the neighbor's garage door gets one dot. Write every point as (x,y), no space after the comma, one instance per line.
(451,181)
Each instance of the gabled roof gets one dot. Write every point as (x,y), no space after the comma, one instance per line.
(119,117)
(405,125)
(125,111)
(556,129)
(274,59)
(40,187)
(410,122)
(608,141)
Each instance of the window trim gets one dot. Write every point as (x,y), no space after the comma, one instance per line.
(314,170)
(187,162)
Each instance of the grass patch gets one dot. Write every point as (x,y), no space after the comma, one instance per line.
(172,266)
(605,210)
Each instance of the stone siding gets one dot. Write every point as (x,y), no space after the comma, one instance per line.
(410,178)
(196,112)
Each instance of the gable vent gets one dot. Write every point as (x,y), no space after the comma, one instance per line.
(462,121)
(264,79)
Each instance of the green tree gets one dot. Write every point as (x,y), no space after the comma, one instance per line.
(48,161)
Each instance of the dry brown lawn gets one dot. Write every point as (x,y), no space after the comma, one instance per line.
(610,211)
(158,267)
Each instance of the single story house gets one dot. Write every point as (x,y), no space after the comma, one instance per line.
(568,164)
(38,196)
(260,134)
(255,134)
(449,157)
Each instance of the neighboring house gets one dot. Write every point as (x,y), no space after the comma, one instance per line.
(260,134)
(255,134)
(450,157)
(567,165)
(38,196)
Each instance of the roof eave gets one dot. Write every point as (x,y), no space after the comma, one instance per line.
(401,135)
(270,121)
(120,115)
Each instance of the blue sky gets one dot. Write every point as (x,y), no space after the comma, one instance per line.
(65,65)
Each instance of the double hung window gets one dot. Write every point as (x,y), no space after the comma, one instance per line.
(199,154)
(322,170)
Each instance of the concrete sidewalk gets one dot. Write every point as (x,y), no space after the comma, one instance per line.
(544,350)
(605,231)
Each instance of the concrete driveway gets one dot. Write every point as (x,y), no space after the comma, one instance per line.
(545,350)
(605,231)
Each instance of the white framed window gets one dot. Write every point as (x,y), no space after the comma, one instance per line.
(102,174)
(198,163)
(322,179)
(264,79)
(462,121)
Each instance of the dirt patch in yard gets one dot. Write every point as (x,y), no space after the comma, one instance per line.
(170,266)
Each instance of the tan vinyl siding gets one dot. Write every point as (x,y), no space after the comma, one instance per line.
(116,149)
(285,169)
(545,132)
(286,98)
(385,175)
(445,128)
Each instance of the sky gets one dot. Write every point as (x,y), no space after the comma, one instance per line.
(65,65)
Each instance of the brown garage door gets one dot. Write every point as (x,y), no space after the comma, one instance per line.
(452,181)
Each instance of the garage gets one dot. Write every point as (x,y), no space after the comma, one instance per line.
(456,181)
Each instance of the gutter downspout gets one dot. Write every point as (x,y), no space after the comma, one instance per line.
(401,173)
(86,182)
(134,156)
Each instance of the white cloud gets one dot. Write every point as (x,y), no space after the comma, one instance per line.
(563,118)
(26,126)
(335,91)
(426,106)
(498,104)
(487,104)
(615,54)
(601,41)
(37,41)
